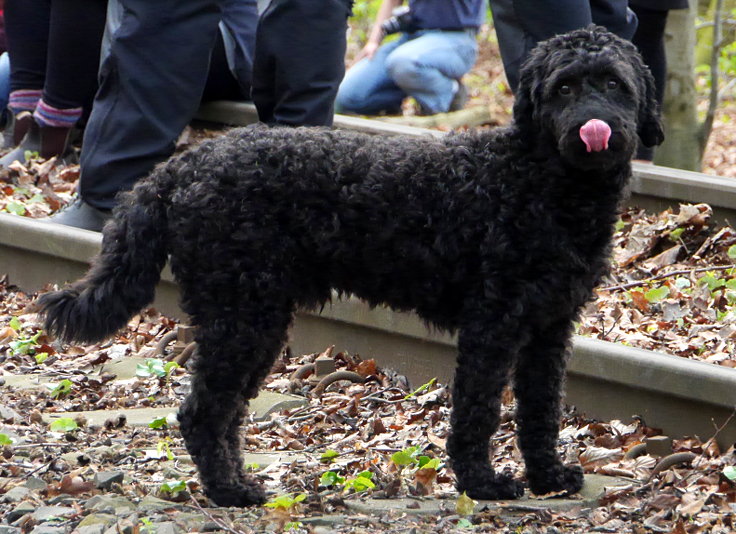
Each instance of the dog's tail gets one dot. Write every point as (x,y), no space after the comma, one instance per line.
(123,277)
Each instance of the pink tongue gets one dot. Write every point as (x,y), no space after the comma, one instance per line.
(595,134)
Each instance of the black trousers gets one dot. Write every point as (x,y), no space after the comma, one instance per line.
(54,46)
(300,60)
(154,78)
(521,24)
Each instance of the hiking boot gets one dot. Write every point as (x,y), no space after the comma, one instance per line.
(79,214)
(460,98)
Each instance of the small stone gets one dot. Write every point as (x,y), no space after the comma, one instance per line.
(167,527)
(62,499)
(98,520)
(149,504)
(90,529)
(4,529)
(44,513)
(49,529)
(9,415)
(114,504)
(16,494)
(105,479)
(23,508)
(36,484)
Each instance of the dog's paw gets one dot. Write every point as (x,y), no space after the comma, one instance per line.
(248,494)
(484,484)
(558,479)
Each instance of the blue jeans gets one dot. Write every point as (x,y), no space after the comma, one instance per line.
(424,65)
(4,82)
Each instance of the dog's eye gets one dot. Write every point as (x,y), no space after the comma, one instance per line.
(564,90)
(612,83)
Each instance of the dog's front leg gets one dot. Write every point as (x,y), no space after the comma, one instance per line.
(486,354)
(538,388)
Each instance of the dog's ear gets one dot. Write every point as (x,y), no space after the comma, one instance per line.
(527,94)
(649,127)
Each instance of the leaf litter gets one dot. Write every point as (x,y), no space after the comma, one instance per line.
(672,289)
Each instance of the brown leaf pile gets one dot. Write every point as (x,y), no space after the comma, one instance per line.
(672,287)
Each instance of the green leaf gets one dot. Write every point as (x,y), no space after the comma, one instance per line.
(465,505)
(15,324)
(657,294)
(41,357)
(712,281)
(676,233)
(173,486)
(463,523)
(158,423)
(405,457)
(170,367)
(5,440)
(15,208)
(328,456)
(151,367)
(285,502)
(730,472)
(63,424)
(362,482)
(732,252)
(62,388)
(331,478)
(425,462)
(25,344)
(421,388)
(620,225)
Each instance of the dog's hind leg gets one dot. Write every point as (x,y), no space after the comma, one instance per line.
(538,388)
(486,354)
(236,348)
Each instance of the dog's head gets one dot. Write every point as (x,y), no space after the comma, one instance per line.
(589,94)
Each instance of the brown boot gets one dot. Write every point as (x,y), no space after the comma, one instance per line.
(16,128)
(46,141)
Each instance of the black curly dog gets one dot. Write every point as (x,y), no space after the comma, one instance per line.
(498,235)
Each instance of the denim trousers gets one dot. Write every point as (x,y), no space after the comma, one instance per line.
(423,65)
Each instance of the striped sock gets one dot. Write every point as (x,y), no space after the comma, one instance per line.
(24,100)
(46,115)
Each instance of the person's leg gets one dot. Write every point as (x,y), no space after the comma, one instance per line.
(649,39)
(27,29)
(615,16)
(150,87)
(429,67)
(300,61)
(367,88)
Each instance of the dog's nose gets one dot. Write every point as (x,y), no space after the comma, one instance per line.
(595,134)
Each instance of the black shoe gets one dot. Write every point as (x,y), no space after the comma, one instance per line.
(79,214)
(460,98)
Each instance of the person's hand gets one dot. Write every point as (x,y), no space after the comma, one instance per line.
(368,51)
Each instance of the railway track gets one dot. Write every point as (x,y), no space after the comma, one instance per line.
(605,380)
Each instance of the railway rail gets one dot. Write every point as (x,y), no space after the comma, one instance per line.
(605,380)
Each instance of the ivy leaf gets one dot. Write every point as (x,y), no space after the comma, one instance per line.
(15,208)
(15,324)
(63,424)
(328,456)
(730,472)
(657,294)
(465,505)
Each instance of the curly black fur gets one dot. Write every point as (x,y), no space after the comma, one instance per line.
(499,235)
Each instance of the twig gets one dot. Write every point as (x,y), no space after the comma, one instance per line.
(670,274)
(219,522)
(710,114)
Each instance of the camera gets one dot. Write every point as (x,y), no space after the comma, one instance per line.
(400,20)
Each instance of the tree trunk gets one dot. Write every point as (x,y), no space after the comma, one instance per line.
(681,148)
